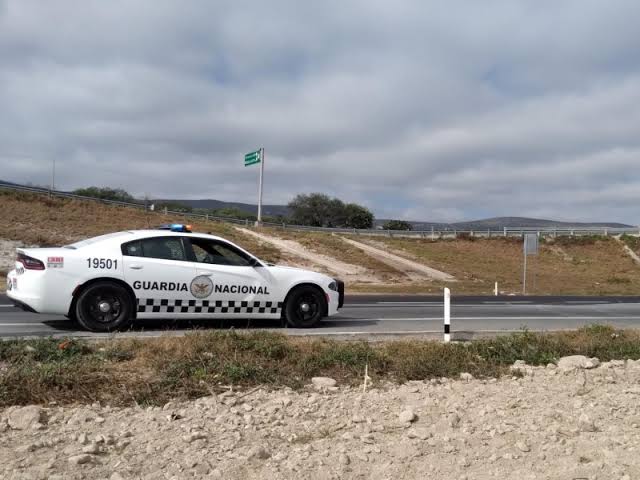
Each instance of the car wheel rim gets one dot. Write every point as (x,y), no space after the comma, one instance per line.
(103,307)
(307,307)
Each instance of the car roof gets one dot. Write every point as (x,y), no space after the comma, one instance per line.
(130,235)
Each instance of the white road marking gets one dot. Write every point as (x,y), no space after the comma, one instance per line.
(493,318)
(19,324)
(470,305)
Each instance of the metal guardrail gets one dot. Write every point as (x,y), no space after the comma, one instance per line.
(427,234)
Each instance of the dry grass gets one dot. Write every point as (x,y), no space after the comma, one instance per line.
(566,265)
(39,220)
(154,371)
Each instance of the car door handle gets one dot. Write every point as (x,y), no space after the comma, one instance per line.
(135,267)
(205,274)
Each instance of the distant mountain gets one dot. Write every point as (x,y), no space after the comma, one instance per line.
(268,210)
(502,222)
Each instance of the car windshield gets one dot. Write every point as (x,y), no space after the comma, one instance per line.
(89,241)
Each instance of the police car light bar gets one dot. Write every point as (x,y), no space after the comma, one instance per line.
(175,227)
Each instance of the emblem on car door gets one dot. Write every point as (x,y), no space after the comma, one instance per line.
(201,286)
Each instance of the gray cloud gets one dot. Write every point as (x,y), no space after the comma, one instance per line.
(425,110)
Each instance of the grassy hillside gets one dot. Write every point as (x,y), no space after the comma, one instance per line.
(579,265)
(43,221)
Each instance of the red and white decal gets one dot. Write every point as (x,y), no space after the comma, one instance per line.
(55,262)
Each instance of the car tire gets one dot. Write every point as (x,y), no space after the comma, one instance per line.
(104,307)
(305,306)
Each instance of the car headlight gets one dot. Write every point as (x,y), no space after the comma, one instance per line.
(333,286)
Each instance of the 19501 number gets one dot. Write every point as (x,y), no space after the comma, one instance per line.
(104,263)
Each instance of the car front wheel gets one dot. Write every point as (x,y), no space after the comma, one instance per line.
(104,307)
(305,307)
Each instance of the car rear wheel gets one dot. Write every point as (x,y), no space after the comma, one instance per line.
(104,307)
(305,307)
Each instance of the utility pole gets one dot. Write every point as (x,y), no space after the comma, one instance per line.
(260,187)
(251,158)
(53,178)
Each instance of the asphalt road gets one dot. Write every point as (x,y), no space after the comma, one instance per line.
(379,316)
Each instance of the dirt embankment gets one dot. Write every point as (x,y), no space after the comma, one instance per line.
(303,254)
(541,423)
(414,270)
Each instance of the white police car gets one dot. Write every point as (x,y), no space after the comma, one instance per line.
(106,282)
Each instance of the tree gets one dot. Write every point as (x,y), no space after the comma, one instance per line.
(314,209)
(319,210)
(357,216)
(105,193)
(397,225)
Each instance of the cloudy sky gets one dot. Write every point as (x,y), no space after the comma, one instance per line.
(424,110)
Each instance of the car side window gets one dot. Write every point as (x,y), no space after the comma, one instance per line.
(218,253)
(132,249)
(165,248)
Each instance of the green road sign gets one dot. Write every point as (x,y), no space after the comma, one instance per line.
(252,158)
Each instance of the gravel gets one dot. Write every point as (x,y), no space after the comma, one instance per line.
(548,424)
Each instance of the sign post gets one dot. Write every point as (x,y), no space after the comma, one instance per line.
(530,247)
(252,158)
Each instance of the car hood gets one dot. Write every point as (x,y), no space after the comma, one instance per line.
(285,271)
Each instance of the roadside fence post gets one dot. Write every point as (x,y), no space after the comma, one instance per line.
(447,315)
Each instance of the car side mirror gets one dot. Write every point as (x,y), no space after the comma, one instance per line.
(254,262)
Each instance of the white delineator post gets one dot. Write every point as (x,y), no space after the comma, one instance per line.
(447,315)
(259,222)
(495,290)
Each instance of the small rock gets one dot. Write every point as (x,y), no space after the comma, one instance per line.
(454,420)
(467,377)
(202,469)
(344,459)
(522,446)
(99,420)
(260,453)
(116,476)
(585,424)
(80,459)
(323,382)
(367,438)
(29,348)
(407,416)
(92,448)
(22,418)
(193,436)
(577,362)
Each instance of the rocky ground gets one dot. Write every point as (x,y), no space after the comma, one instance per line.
(576,420)
(8,254)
